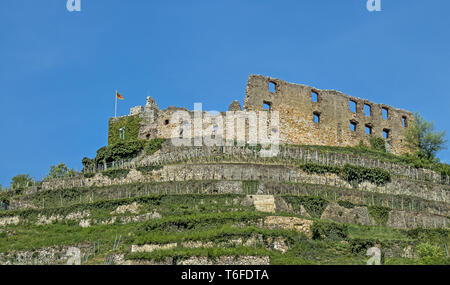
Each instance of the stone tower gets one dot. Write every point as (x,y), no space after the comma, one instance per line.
(149,125)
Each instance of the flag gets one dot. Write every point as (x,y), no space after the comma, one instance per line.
(119,96)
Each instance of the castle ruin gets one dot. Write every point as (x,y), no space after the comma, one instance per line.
(307,115)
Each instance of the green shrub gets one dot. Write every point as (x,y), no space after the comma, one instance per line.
(60,171)
(21,182)
(326,230)
(153,146)
(116,173)
(430,235)
(4,198)
(119,151)
(405,159)
(87,162)
(378,144)
(123,150)
(362,146)
(346,204)
(313,205)
(352,174)
(319,169)
(358,174)
(360,246)
(379,214)
(431,254)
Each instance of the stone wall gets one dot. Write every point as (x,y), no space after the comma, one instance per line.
(260,172)
(398,219)
(292,155)
(57,255)
(329,192)
(296,106)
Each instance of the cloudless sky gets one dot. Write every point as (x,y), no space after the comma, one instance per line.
(59,69)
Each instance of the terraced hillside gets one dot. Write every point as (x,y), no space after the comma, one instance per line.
(232,206)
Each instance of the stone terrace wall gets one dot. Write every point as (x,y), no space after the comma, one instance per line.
(406,212)
(261,172)
(287,155)
(360,196)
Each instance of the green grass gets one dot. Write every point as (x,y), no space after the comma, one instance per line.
(34,237)
(164,204)
(380,233)
(181,253)
(217,234)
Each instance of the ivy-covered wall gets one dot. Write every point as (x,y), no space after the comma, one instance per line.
(131,124)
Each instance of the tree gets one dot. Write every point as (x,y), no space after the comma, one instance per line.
(21,181)
(422,138)
(59,171)
(87,162)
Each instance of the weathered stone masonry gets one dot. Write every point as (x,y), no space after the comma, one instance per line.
(298,104)
(335,123)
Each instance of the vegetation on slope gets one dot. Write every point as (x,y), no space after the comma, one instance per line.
(350,173)
(123,150)
(218,219)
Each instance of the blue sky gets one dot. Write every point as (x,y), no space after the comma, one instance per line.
(59,70)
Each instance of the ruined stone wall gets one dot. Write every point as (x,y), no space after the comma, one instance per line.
(211,127)
(296,107)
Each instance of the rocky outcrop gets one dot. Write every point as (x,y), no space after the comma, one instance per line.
(132,208)
(289,223)
(9,221)
(226,260)
(152,247)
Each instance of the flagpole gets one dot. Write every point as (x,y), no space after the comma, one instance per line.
(115,110)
